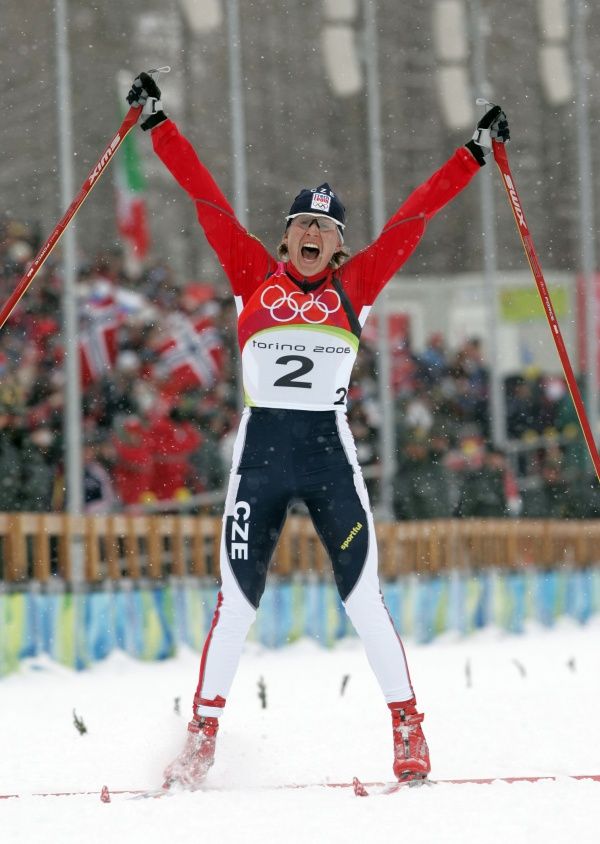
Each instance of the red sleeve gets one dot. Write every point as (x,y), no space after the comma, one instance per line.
(244,259)
(368,272)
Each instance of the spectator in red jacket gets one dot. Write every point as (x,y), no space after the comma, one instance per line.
(133,470)
(172,441)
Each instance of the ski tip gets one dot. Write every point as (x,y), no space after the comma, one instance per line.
(359,788)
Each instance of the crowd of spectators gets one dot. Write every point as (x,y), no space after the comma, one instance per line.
(145,440)
(446,463)
(152,439)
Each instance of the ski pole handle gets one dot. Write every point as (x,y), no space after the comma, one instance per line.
(158,70)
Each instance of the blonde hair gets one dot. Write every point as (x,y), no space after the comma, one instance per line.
(337,259)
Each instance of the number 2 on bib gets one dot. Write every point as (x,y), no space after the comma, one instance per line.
(290,379)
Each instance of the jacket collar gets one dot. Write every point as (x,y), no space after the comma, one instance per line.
(307,284)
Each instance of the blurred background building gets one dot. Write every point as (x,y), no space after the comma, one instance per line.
(305,112)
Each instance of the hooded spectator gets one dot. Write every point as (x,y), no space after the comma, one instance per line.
(99,493)
(39,470)
(11,463)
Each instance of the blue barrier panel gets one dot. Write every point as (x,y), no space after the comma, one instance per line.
(517,585)
(149,620)
(546,597)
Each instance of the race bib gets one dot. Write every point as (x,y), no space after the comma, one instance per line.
(303,367)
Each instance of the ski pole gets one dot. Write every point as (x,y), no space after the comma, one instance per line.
(516,205)
(131,118)
(128,123)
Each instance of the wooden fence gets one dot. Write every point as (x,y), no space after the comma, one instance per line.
(37,546)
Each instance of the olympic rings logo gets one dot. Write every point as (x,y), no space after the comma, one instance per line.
(283,306)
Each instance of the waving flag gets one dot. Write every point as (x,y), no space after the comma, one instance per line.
(192,354)
(100,317)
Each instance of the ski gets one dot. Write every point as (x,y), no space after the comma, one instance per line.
(361,789)
(372,788)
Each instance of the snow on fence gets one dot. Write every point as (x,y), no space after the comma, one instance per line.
(151,582)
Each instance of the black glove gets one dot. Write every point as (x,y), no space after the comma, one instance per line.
(145,92)
(492,126)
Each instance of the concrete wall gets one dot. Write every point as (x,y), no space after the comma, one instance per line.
(457,306)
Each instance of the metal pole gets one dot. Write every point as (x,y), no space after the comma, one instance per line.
(72,419)
(238,142)
(236,99)
(387,453)
(488,231)
(587,226)
(192,240)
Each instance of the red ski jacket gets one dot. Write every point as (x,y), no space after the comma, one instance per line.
(299,337)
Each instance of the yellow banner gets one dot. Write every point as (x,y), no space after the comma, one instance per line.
(521,304)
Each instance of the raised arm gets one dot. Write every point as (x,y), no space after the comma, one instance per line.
(243,258)
(370,270)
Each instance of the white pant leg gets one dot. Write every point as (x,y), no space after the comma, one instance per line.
(234,614)
(385,652)
(223,647)
(365,605)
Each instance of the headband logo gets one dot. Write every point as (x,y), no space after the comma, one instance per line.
(320,202)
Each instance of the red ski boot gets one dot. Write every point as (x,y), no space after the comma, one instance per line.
(193,763)
(411,754)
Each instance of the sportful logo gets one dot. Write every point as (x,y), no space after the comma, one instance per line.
(515,200)
(104,160)
(320,202)
(356,529)
(283,306)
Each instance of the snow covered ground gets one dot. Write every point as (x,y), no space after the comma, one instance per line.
(531,708)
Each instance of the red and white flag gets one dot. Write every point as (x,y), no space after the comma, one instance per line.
(192,356)
(131,211)
(100,318)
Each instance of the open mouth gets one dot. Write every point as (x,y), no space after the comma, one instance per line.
(310,252)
